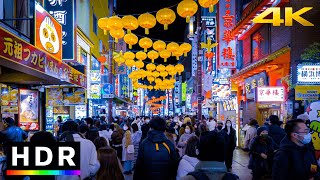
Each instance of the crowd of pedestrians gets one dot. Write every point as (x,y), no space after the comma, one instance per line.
(179,148)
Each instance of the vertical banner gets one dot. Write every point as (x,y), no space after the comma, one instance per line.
(194,56)
(64,12)
(227,45)
(184,92)
(29,110)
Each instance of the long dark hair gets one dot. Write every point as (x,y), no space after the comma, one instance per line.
(109,165)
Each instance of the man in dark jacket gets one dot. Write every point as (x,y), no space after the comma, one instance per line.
(295,159)
(145,128)
(13,133)
(157,158)
(275,131)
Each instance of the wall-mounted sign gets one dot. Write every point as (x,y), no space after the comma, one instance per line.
(254,81)
(74,96)
(54,97)
(221,89)
(95,76)
(48,32)
(64,12)
(95,91)
(270,94)
(308,74)
(29,111)
(9,95)
(184,91)
(260,44)
(227,46)
(307,92)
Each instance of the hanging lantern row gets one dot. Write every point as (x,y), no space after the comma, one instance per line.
(152,101)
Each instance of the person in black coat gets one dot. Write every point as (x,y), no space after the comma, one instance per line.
(261,153)
(295,159)
(145,128)
(231,143)
(157,158)
(275,131)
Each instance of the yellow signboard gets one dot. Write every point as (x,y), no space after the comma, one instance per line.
(307,92)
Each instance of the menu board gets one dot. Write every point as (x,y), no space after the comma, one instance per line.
(9,95)
(49,119)
(10,109)
(54,97)
(28,111)
(74,96)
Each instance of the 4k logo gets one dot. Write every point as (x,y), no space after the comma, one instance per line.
(289,16)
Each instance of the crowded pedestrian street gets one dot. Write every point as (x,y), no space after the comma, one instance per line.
(159,90)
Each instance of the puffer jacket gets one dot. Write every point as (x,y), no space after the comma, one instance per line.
(186,165)
(157,158)
(14,134)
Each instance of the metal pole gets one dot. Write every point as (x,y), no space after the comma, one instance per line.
(199,68)
(110,67)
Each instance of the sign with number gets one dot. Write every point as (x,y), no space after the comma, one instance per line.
(270,94)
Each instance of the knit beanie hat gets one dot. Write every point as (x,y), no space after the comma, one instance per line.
(260,129)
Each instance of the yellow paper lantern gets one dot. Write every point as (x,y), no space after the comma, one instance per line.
(172,73)
(179,68)
(177,54)
(115,23)
(130,23)
(159,45)
(165,54)
(145,43)
(153,55)
(130,39)
(166,82)
(169,68)
(187,8)
(172,47)
(129,62)
(173,80)
(185,48)
(147,21)
(155,74)
(150,79)
(208,4)
(166,16)
(141,56)
(161,68)
(129,55)
(103,24)
(158,81)
(139,64)
(164,74)
(148,73)
(117,34)
(151,67)
(150,87)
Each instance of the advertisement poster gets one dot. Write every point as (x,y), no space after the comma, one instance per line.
(29,112)
(54,97)
(74,96)
(9,95)
(48,32)
(9,109)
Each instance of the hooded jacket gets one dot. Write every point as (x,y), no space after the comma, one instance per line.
(294,162)
(186,165)
(277,134)
(157,158)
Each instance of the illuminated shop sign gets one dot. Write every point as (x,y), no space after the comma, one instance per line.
(270,94)
(307,92)
(308,74)
(254,81)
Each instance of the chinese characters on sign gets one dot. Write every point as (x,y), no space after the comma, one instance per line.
(63,11)
(260,44)
(308,73)
(227,51)
(251,83)
(270,94)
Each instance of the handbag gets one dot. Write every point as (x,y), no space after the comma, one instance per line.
(130,149)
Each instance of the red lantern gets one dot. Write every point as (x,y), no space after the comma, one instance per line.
(102,60)
(209,55)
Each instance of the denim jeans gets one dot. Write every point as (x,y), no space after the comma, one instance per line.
(127,166)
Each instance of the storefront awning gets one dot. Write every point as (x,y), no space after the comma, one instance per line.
(119,100)
(245,71)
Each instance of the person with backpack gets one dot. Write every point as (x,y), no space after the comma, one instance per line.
(211,150)
(157,158)
(295,159)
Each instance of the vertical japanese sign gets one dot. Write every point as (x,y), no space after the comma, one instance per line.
(227,50)
(194,56)
(64,12)
(184,92)
(253,82)
(48,33)
(210,32)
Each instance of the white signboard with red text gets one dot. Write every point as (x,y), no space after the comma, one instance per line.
(270,94)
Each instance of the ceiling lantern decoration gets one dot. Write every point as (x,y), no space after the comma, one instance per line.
(103,24)
(177,54)
(153,55)
(150,79)
(159,45)
(185,48)
(172,47)
(161,68)
(129,55)
(208,4)
(186,9)
(150,67)
(169,68)
(129,62)
(130,23)
(141,56)
(115,23)
(139,64)
(147,21)
(118,57)
(155,74)
(165,54)
(145,43)
(164,74)
(131,39)
(117,34)
(166,16)
(179,68)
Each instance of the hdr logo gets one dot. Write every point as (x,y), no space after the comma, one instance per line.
(289,16)
(60,158)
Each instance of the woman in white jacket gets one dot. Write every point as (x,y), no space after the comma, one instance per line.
(189,160)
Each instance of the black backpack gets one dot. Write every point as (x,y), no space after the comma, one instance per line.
(200,175)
